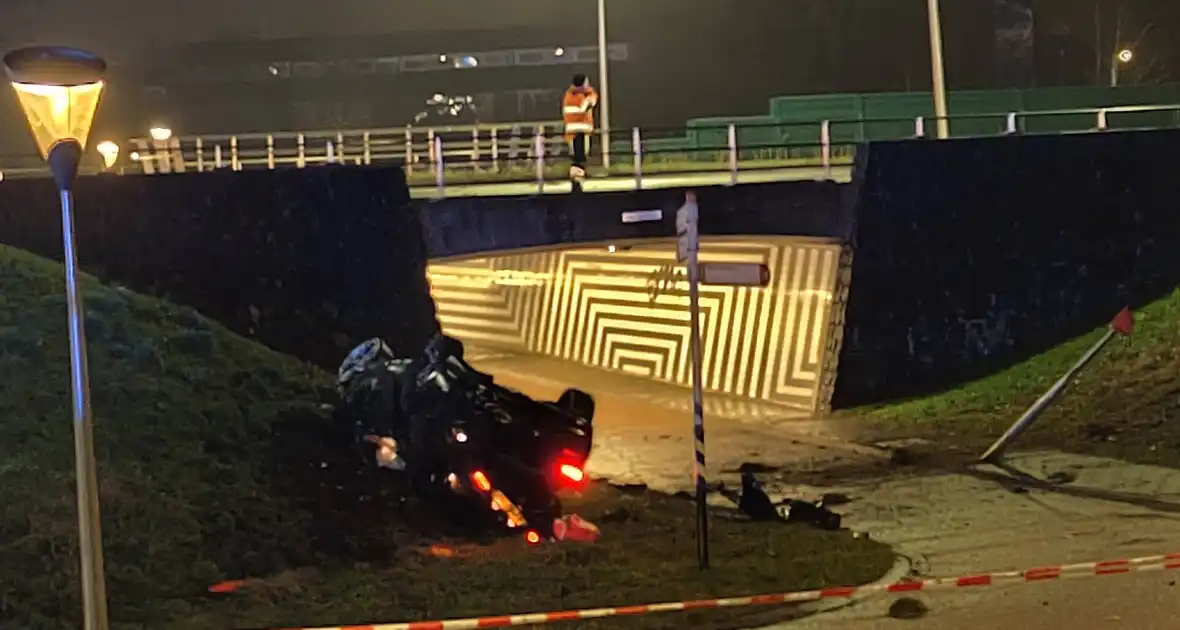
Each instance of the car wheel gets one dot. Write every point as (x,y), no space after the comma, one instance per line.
(578,403)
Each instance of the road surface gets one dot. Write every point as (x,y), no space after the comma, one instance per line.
(720,178)
(949,524)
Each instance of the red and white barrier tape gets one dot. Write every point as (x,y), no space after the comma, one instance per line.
(1037,574)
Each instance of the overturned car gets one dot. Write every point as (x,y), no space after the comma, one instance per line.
(481,450)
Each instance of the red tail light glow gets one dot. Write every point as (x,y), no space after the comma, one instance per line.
(532,537)
(572,473)
(569,469)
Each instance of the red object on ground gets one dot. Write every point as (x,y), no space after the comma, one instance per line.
(574,528)
(1124,322)
(228,586)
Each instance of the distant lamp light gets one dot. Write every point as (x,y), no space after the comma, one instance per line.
(109,152)
(160,134)
(466,61)
(1126,55)
(442,58)
(134,155)
(559,51)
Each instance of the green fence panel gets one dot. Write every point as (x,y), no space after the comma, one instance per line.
(982,112)
(1050,109)
(801,116)
(709,135)
(893,116)
(1143,95)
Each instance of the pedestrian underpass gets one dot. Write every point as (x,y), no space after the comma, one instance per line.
(623,306)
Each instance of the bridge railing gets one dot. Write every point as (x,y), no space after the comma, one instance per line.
(535,152)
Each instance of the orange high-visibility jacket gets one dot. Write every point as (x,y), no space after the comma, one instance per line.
(577,110)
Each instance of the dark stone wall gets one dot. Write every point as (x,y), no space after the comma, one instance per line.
(471,225)
(974,254)
(307,261)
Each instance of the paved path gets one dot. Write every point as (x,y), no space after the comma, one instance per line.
(839,174)
(948,523)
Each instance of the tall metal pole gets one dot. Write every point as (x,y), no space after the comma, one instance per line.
(603,87)
(698,416)
(94,597)
(941,112)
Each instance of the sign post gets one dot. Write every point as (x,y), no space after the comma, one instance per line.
(687,245)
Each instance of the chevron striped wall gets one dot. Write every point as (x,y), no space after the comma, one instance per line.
(625,307)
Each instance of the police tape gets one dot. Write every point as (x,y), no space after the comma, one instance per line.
(1037,574)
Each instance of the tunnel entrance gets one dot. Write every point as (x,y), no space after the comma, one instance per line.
(623,306)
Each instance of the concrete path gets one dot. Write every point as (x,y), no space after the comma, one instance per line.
(947,523)
(673,180)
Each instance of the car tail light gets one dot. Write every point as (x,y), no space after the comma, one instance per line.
(569,469)
(572,473)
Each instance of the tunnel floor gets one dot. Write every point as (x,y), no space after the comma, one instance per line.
(643,428)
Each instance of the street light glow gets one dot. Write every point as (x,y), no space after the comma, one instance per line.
(1126,55)
(109,152)
(58,112)
(160,134)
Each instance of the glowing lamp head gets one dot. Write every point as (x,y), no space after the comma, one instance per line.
(58,89)
(160,134)
(1126,55)
(532,537)
(109,152)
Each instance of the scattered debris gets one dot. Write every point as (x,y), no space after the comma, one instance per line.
(1062,477)
(902,457)
(756,504)
(908,608)
(832,499)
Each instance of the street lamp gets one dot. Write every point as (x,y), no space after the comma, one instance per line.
(1123,56)
(59,89)
(109,152)
(941,111)
(603,89)
(160,134)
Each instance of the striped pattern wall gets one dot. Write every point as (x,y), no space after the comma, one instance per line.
(628,310)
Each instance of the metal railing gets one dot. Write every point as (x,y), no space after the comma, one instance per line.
(534,152)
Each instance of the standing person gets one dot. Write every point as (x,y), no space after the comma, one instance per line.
(577,112)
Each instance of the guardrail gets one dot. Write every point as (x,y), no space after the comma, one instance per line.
(535,152)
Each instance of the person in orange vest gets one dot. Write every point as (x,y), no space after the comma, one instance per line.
(577,112)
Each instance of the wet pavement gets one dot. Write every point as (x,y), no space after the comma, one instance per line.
(947,523)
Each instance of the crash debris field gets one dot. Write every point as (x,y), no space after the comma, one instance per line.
(217,462)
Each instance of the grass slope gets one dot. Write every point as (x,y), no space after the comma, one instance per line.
(215,463)
(180,406)
(1125,404)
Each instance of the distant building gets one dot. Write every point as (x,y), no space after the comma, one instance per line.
(223,87)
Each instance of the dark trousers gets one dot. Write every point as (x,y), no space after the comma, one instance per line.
(579,147)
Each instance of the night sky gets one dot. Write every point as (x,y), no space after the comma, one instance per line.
(726,56)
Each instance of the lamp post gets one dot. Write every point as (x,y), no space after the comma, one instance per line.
(1123,56)
(941,111)
(603,88)
(59,89)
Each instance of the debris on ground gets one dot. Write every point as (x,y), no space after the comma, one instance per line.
(753,501)
(908,608)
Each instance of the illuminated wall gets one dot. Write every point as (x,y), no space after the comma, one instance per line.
(628,310)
